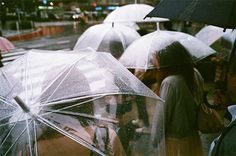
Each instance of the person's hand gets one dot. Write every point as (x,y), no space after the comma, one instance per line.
(219,98)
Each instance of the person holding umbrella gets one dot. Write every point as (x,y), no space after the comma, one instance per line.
(180,90)
(225,143)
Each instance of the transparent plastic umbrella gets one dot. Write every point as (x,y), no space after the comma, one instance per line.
(71,103)
(132,13)
(209,34)
(5,44)
(219,39)
(111,38)
(141,53)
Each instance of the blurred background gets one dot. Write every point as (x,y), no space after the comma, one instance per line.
(23,13)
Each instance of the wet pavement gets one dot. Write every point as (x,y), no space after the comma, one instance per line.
(48,35)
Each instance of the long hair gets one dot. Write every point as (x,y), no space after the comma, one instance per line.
(176,60)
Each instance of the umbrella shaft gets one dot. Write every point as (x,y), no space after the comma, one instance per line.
(21,103)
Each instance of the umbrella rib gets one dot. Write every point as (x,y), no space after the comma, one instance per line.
(70,100)
(121,38)
(9,131)
(25,76)
(29,137)
(2,117)
(87,116)
(15,141)
(61,110)
(6,101)
(77,139)
(70,67)
(9,134)
(9,83)
(149,47)
(102,36)
(35,138)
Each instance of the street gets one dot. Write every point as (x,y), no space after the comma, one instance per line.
(63,40)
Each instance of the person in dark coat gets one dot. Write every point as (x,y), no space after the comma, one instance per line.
(225,144)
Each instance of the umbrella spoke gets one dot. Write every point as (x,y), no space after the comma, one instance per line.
(5,109)
(48,104)
(77,139)
(16,140)
(70,100)
(60,111)
(35,138)
(26,71)
(3,117)
(29,138)
(9,130)
(69,67)
(86,116)
(8,134)
(6,101)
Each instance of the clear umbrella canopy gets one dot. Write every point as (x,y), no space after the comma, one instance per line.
(71,103)
(141,54)
(209,34)
(219,39)
(132,13)
(111,38)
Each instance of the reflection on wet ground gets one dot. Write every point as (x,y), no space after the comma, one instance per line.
(49,30)
(41,31)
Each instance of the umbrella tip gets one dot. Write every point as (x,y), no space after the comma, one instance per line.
(112,24)
(21,103)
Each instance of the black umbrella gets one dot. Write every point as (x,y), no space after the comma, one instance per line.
(220,13)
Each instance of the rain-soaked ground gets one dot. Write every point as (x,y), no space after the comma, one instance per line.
(53,36)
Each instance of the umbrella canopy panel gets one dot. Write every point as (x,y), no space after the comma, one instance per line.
(141,54)
(132,13)
(5,44)
(111,38)
(62,100)
(220,13)
(220,40)
(209,34)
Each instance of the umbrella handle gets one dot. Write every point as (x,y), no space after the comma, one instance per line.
(21,103)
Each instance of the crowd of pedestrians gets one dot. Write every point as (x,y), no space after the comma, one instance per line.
(177,80)
(179,83)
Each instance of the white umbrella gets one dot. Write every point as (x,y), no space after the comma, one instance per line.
(220,40)
(132,13)
(209,34)
(141,54)
(111,38)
